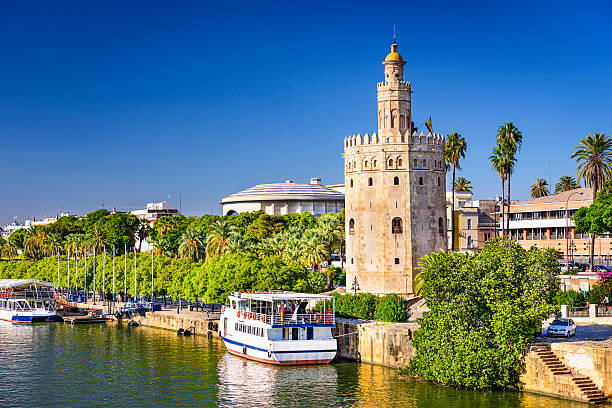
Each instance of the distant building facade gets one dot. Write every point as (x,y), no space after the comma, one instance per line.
(475,221)
(155,210)
(394,182)
(286,198)
(541,222)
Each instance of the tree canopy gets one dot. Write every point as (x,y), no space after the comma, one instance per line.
(484,309)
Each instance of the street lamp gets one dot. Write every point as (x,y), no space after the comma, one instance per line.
(355,286)
(567,227)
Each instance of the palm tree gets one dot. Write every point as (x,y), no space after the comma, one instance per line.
(313,251)
(55,244)
(9,249)
(142,231)
(512,138)
(331,230)
(566,183)
(218,237)
(539,188)
(192,245)
(501,164)
(462,184)
(594,158)
(238,244)
(96,239)
(454,151)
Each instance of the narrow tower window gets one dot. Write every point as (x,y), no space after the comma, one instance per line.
(420,181)
(440,226)
(374,165)
(397,261)
(396,225)
(352,227)
(370,181)
(396,181)
(399,162)
(390,162)
(438,182)
(416,164)
(424,163)
(352,182)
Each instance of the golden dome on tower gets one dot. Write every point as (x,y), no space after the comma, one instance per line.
(394,55)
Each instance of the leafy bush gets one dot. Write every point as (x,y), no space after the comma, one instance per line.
(569,297)
(598,292)
(484,310)
(361,306)
(391,308)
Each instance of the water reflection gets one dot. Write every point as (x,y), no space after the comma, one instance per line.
(248,383)
(57,365)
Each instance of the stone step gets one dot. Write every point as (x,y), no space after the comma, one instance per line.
(588,388)
(561,372)
(597,400)
(581,377)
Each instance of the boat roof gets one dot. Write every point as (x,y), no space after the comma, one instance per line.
(18,283)
(279,295)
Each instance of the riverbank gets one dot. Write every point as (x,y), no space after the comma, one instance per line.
(390,345)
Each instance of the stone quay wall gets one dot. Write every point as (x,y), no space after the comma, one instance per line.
(387,344)
(592,359)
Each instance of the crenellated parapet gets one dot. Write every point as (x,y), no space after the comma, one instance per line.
(400,85)
(356,140)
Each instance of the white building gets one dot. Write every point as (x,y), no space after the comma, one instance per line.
(156,210)
(287,198)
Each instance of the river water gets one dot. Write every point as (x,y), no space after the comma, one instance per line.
(59,365)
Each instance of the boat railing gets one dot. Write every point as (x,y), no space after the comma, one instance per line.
(288,318)
(27,294)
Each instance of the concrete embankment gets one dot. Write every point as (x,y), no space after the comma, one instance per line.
(387,344)
(171,320)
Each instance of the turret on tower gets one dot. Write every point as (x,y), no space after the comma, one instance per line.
(394,106)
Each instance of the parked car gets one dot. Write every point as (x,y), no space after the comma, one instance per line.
(581,266)
(562,328)
(603,268)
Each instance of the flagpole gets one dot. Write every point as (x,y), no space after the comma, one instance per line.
(76,273)
(151,278)
(68,276)
(58,268)
(124,273)
(94,277)
(114,289)
(134,273)
(103,278)
(85,275)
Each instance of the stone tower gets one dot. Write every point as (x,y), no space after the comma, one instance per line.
(395,192)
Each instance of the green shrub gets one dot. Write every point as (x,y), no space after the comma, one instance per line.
(569,297)
(360,306)
(598,292)
(484,309)
(391,308)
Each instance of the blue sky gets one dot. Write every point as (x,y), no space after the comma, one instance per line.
(123,103)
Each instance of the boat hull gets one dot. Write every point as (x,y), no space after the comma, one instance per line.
(296,353)
(27,317)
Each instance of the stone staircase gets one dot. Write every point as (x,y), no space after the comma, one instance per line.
(582,385)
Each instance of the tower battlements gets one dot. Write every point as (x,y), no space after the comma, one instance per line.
(403,85)
(374,139)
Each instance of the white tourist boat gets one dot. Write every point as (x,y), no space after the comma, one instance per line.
(278,327)
(27,301)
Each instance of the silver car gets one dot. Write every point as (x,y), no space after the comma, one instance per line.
(561,328)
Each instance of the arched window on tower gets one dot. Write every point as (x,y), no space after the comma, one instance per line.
(393,118)
(440,226)
(390,162)
(399,162)
(351,183)
(352,227)
(424,163)
(420,181)
(402,122)
(370,181)
(366,164)
(396,181)
(396,225)
(416,163)
(374,165)
(438,181)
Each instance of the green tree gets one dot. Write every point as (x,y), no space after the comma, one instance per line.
(313,249)
(454,151)
(265,226)
(502,164)
(593,155)
(566,183)
(539,188)
(218,237)
(462,184)
(484,308)
(511,139)
(192,245)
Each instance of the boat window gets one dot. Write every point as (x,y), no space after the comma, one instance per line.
(309,333)
(294,333)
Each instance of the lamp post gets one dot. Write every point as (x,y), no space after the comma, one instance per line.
(567,227)
(355,286)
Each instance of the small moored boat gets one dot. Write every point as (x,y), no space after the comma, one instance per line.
(279,327)
(27,301)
